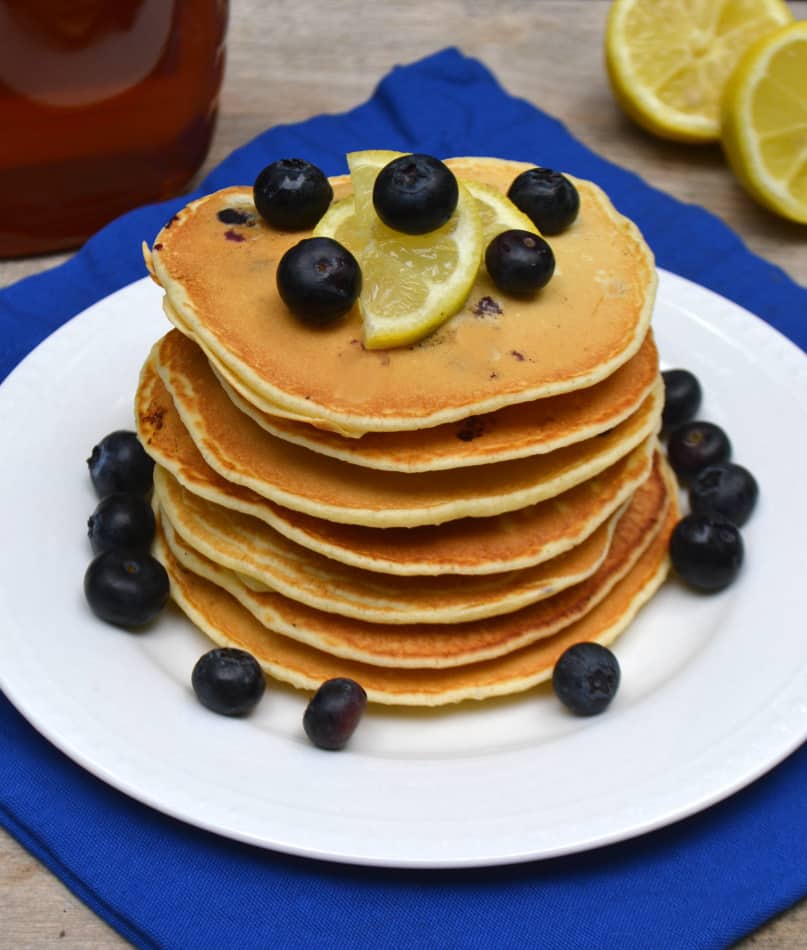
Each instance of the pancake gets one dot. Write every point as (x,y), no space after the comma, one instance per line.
(265,560)
(227,623)
(294,477)
(469,546)
(431,645)
(497,351)
(474,546)
(515,432)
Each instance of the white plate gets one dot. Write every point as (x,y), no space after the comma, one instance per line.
(714,689)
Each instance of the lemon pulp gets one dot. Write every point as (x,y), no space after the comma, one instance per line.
(764,121)
(669,62)
(411,284)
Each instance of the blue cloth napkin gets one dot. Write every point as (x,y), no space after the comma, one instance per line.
(703,882)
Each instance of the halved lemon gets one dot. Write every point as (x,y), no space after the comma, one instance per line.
(764,121)
(411,284)
(669,61)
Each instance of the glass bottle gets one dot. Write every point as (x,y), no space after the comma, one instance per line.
(103,106)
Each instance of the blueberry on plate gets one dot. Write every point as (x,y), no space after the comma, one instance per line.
(126,588)
(119,463)
(694,445)
(726,489)
(682,397)
(706,551)
(319,280)
(415,194)
(519,262)
(228,680)
(333,713)
(121,521)
(586,678)
(292,194)
(548,198)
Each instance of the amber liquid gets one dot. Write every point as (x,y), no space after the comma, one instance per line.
(103,106)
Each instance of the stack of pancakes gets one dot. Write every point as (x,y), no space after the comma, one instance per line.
(438,521)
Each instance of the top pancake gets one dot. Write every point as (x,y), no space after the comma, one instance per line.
(589,320)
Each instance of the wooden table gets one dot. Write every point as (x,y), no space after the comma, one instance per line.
(295,58)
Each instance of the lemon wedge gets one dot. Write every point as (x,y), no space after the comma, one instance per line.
(364,168)
(497,212)
(411,284)
(764,121)
(668,62)
(341,223)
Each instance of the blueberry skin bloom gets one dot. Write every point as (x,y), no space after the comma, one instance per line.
(292,194)
(548,198)
(319,280)
(126,588)
(707,551)
(586,678)
(333,713)
(726,489)
(121,521)
(682,397)
(415,194)
(119,463)
(694,445)
(228,681)
(519,262)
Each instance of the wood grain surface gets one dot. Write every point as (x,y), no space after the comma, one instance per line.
(290,60)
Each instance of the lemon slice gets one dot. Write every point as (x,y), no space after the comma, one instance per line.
(364,168)
(341,223)
(497,212)
(411,284)
(764,121)
(668,62)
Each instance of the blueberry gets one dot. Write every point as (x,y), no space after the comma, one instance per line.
(682,397)
(547,197)
(292,194)
(233,216)
(126,588)
(586,678)
(319,280)
(228,681)
(707,551)
(123,521)
(415,194)
(694,445)
(726,489)
(519,262)
(119,463)
(334,712)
